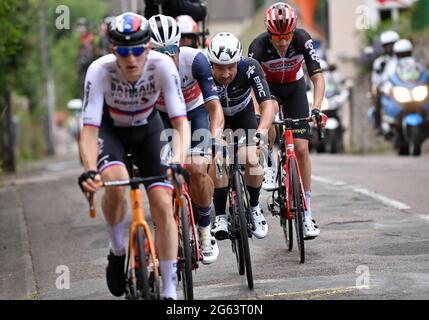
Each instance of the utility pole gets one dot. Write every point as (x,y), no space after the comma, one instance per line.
(50,87)
(7,150)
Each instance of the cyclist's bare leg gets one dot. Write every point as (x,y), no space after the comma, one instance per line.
(201,185)
(166,240)
(253,173)
(114,205)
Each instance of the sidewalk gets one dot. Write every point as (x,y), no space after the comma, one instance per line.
(16,269)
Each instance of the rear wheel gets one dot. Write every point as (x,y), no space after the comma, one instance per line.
(185,256)
(243,212)
(297,207)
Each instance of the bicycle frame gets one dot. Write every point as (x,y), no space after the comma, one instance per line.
(182,199)
(288,144)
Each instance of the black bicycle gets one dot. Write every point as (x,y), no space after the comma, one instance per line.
(240,219)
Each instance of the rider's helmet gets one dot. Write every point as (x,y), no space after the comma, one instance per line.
(403,48)
(129,29)
(389,37)
(188,29)
(280,18)
(224,48)
(165,31)
(187,25)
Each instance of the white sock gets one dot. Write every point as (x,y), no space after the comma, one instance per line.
(168,269)
(116,238)
(307,200)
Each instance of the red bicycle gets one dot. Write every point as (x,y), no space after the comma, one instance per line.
(189,252)
(288,198)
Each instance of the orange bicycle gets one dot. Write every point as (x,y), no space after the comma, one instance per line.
(142,277)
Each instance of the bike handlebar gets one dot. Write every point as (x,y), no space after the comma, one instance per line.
(172,176)
(290,122)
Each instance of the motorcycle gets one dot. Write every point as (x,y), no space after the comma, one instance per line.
(405,109)
(74,123)
(336,96)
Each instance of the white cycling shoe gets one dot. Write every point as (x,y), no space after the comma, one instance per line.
(311,230)
(269,182)
(208,246)
(220,227)
(261,226)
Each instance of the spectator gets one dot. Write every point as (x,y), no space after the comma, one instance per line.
(195,8)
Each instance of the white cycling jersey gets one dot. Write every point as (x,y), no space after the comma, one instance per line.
(196,79)
(130,104)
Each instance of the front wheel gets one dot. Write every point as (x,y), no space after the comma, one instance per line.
(141,265)
(185,256)
(297,207)
(244,212)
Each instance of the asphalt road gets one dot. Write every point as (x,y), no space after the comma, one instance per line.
(373,212)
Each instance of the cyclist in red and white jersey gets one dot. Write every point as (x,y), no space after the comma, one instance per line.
(119,116)
(205,114)
(282,51)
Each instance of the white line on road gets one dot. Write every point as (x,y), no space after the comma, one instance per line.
(379,197)
(383,199)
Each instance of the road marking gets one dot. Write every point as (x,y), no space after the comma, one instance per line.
(383,199)
(379,197)
(320,292)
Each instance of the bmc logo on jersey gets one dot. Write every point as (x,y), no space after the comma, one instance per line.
(309,46)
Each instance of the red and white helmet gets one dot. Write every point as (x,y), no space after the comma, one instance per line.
(280,18)
(187,25)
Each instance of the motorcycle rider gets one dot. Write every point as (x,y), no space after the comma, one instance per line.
(387,39)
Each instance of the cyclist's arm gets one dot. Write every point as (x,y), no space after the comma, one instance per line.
(201,72)
(92,113)
(319,90)
(176,109)
(262,95)
(312,61)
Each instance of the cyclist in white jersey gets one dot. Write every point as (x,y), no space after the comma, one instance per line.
(121,90)
(205,114)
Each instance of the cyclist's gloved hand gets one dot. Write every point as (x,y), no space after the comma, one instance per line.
(89,181)
(218,148)
(260,139)
(176,169)
(316,115)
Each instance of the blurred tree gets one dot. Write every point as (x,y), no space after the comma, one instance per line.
(420,15)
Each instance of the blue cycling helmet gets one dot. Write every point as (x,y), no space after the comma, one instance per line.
(129,29)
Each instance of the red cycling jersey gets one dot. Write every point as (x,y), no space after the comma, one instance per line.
(286,69)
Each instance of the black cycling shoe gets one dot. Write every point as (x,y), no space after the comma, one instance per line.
(115,274)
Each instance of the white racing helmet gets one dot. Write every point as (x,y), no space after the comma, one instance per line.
(389,37)
(165,31)
(403,46)
(186,24)
(224,48)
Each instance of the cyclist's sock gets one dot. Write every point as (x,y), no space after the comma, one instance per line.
(168,270)
(219,199)
(204,216)
(116,238)
(254,196)
(307,200)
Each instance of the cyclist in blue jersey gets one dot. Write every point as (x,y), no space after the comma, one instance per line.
(205,115)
